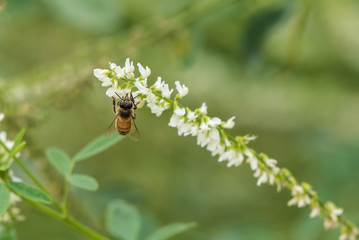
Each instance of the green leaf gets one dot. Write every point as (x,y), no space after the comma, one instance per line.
(30,192)
(96,146)
(123,220)
(4,198)
(59,160)
(19,137)
(83,181)
(170,230)
(5,164)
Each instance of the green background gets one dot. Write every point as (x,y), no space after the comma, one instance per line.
(287,70)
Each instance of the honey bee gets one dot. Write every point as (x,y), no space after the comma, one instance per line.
(125,116)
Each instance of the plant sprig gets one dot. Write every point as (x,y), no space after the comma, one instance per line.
(211,133)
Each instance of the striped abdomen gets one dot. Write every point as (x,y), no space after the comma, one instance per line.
(123,126)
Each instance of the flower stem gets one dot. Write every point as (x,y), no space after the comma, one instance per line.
(69,220)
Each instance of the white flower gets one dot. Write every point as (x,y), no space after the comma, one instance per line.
(2,115)
(191,116)
(174,120)
(195,130)
(263,177)
(236,160)
(214,122)
(102,75)
(141,88)
(159,84)
(184,129)
(181,89)
(144,72)
(315,211)
(156,109)
(120,72)
(229,124)
(251,159)
(113,66)
(203,109)
(180,111)
(129,69)
(166,92)
(202,138)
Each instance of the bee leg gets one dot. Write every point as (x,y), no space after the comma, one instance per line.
(134,115)
(114,104)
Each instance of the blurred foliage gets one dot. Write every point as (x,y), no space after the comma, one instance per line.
(288,71)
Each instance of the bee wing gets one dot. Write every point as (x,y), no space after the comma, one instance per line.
(111,129)
(134,133)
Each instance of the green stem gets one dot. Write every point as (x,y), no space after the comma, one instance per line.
(69,220)
(66,190)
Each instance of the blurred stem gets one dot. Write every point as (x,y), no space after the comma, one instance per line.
(67,189)
(295,40)
(69,220)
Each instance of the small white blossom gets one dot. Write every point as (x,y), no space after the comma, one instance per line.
(2,115)
(113,66)
(195,130)
(156,109)
(141,88)
(120,72)
(214,122)
(315,211)
(236,160)
(174,120)
(181,89)
(203,109)
(251,159)
(102,75)
(229,124)
(185,129)
(158,84)
(166,92)
(129,69)
(144,72)
(180,111)
(191,116)
(202,138)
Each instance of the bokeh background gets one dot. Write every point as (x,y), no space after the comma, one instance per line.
(287,70)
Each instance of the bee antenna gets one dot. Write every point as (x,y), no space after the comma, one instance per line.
(118,95)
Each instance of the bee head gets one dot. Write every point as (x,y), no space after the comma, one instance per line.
(127,104)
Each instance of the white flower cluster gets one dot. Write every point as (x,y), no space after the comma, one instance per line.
(208,131)
(123,80)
